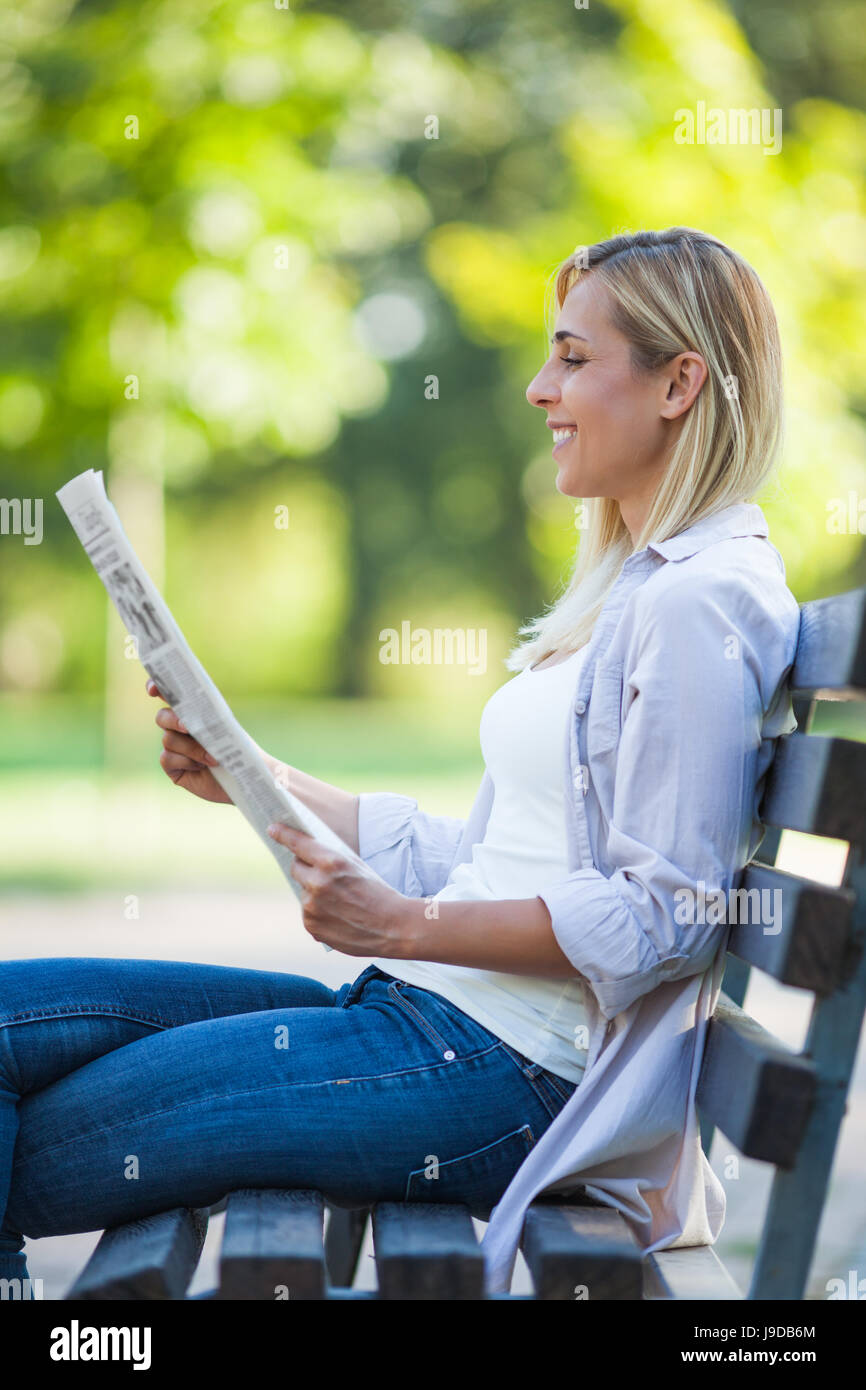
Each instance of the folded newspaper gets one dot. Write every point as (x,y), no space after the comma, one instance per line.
(183,681)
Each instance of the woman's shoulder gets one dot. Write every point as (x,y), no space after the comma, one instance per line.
(738,582)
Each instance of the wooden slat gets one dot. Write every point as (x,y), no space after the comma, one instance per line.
(426,1251)
(581,1251)
(796,931)
(691,1273)
(153,1258)
(755,1089)
(343,1241)
(816,784)
(796,1201)
(831,651)
(272,1246)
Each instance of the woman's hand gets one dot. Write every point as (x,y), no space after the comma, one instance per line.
(184,760)
(343,907)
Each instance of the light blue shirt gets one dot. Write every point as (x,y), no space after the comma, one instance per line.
(675,715)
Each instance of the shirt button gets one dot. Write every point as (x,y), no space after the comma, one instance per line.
(580,706)
(449,1055)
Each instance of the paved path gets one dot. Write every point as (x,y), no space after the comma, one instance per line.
(263,931)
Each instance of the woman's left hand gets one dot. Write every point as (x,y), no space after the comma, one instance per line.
(342,906)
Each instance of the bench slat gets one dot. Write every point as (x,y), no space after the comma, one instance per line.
(344,1239)
(692,1272)
(812,946)
(153,1258)
(569,1248)
(831,650)
(815,784)
(426,1250)
(272,1246)
(755,1089)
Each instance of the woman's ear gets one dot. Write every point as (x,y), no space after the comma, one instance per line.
(682,379)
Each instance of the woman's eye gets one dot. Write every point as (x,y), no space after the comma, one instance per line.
(573,361)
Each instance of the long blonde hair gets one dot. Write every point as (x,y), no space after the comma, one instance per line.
(673,291)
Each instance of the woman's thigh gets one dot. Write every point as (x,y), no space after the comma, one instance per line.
(363,1102)
(57,1014)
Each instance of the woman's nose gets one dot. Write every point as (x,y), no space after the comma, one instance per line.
(541,390)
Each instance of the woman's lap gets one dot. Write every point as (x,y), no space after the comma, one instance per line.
(149,1085)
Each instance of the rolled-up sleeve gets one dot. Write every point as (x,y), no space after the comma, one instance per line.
(705,655)
(408,848)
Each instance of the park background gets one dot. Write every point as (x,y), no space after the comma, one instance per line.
(238,241)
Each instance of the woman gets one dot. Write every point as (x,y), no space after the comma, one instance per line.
(543,972)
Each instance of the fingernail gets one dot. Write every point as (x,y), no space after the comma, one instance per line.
(213,762)
(182,727)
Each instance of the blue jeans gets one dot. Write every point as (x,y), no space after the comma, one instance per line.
(128,1087)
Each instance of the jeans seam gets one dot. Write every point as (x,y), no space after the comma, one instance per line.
(98,1010)
(416,1015)
(555,1082)
(531,1079)
(249,1091)
(523,1130)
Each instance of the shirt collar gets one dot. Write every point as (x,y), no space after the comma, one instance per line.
(739,519)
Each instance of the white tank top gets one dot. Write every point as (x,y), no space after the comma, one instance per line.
(523,740)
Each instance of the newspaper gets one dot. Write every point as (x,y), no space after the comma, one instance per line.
(183,681)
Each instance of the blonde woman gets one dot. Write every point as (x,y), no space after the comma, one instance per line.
(542,973)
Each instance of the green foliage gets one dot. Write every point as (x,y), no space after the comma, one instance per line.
(241,307)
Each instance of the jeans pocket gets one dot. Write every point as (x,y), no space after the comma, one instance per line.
(397,994)
(477,1179)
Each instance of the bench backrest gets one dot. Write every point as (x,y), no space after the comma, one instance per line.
(774,1104)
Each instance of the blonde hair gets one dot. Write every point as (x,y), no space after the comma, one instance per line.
(673,291)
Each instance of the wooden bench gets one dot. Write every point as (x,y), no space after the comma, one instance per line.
(773,1104)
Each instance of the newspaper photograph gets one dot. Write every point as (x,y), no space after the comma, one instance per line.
(182,680)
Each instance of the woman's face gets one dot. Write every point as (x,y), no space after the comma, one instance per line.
(612,428)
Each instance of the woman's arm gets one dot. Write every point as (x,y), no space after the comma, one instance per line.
(513,935)
(413,850)
(189,765)
(337,808)
(361,917)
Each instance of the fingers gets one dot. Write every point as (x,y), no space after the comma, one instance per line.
(307,848)
(151,688)
(309,878)
(167,719)
(188,748)
(178,739)
(176,765)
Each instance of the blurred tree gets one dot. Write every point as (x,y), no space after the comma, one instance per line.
(257,257)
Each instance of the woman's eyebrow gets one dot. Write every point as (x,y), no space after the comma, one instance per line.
(563,333)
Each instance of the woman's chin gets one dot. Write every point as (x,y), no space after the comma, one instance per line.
(567,484)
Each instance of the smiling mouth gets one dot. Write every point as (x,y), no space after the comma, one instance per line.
(561,437)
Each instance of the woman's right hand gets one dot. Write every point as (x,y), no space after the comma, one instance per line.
(182,759)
